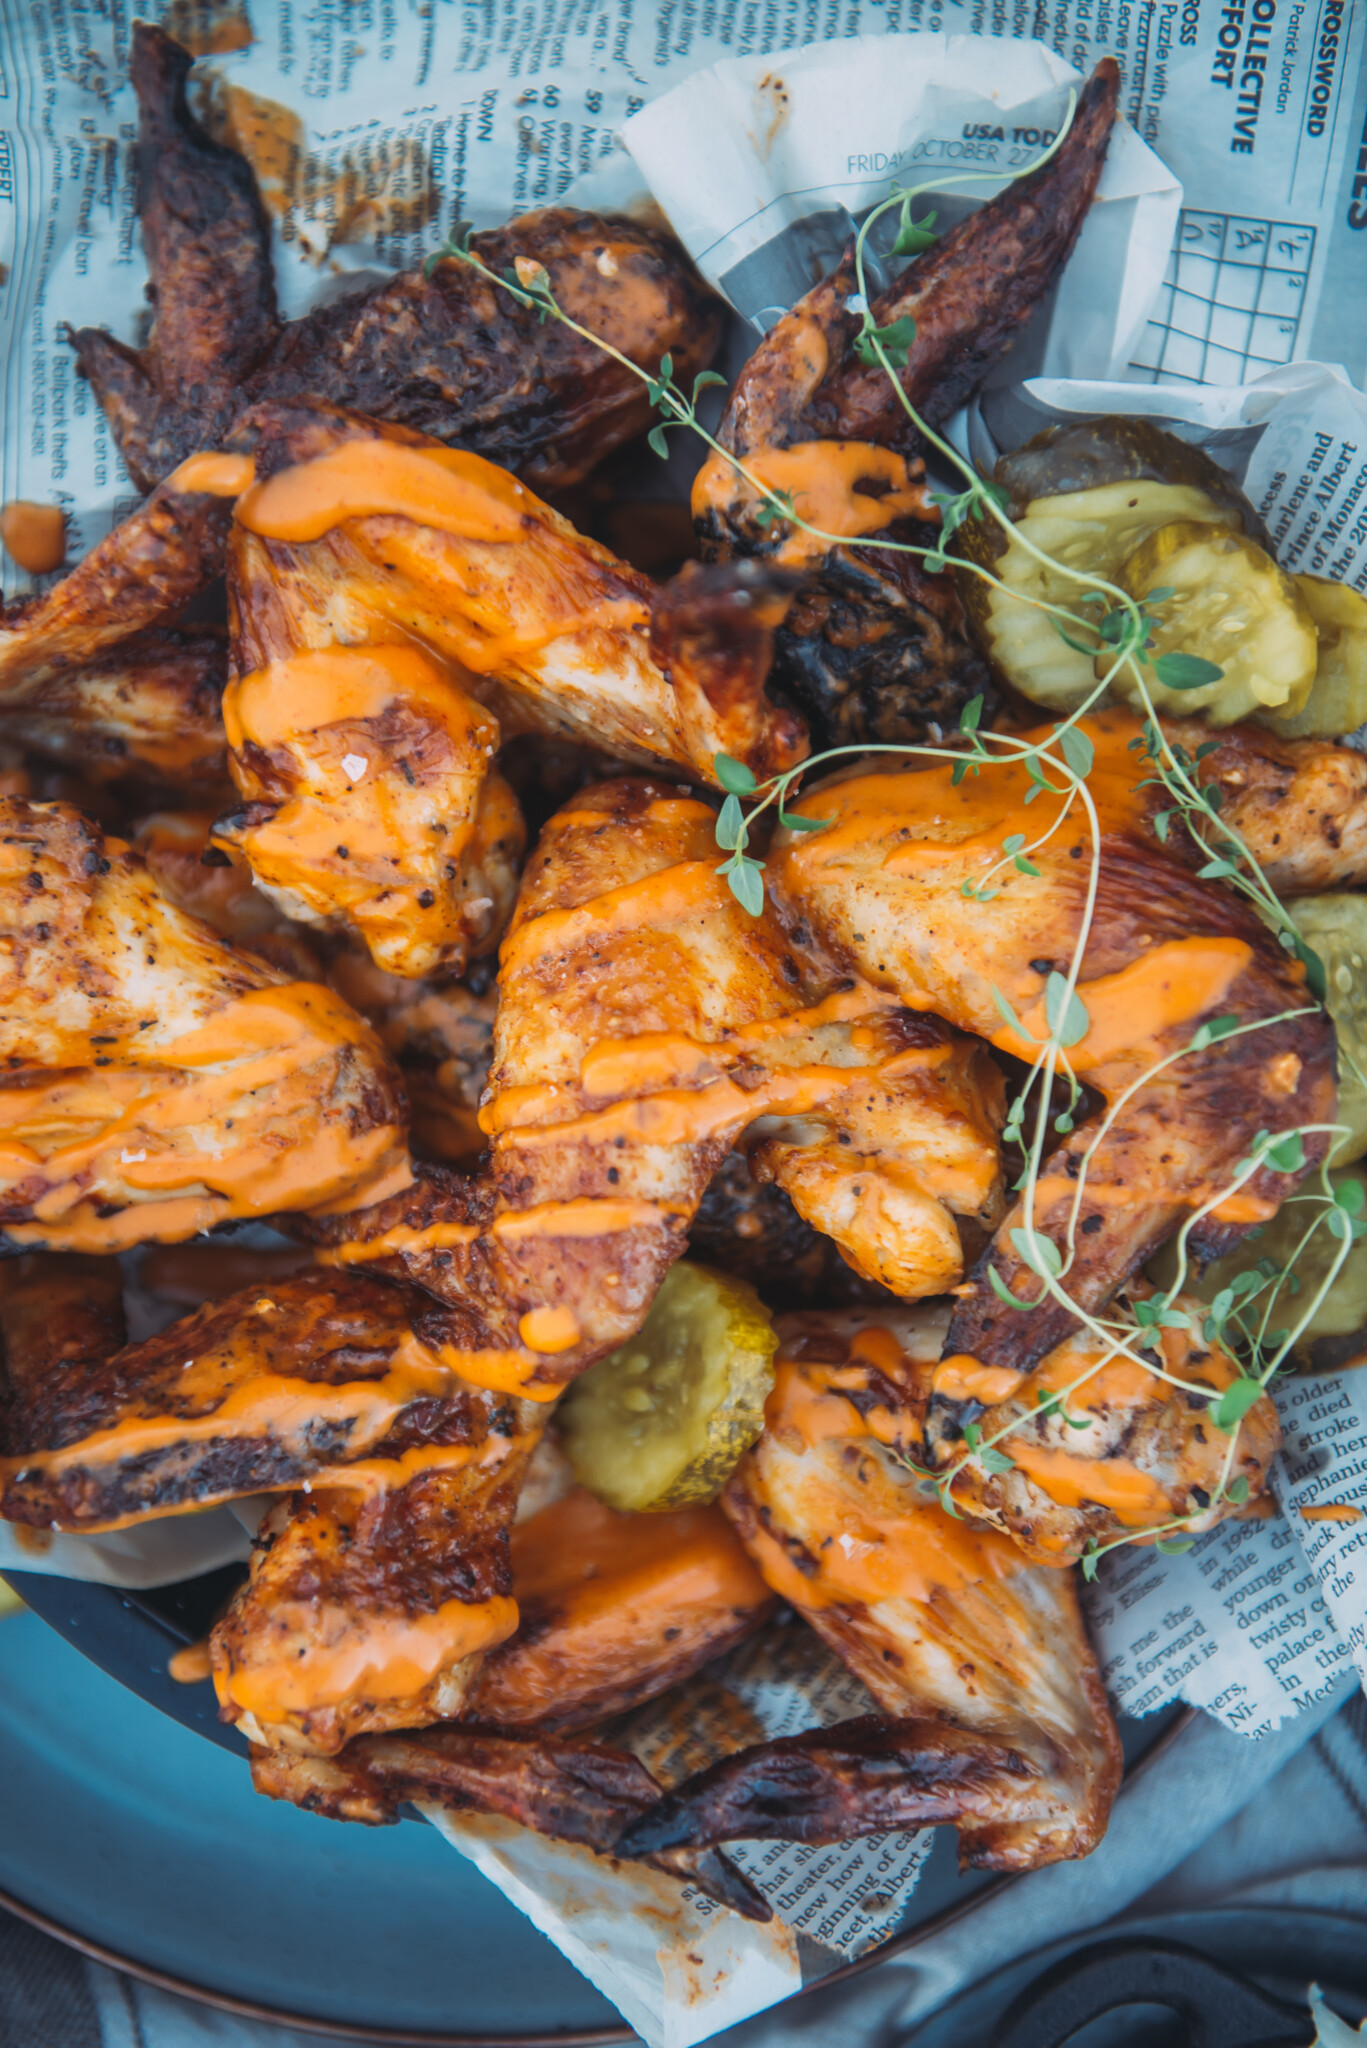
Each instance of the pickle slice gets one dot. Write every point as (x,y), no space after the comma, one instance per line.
(1094,531)
(1336,927)
(1336,1334)
(1227,603)
(662,1422)
(1338,697)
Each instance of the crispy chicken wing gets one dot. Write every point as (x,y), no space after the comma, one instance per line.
(1300,806)
(148,709)
(614,1609)
(875,648)
(577,1791)
(645,1023)
(1123,1454)
(371,1610)
(750,1228)
(156,1082)
(136,578)
(996,1716)
(317,1379)
(208,247)
(884,889)
(450,354)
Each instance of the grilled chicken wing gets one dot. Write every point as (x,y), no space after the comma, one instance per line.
(208,251)
(645,1023)
(883,887)
(450,354)
(157,1082)
(579,1791)
(371,1610)
(1300,806)
(317,1379)
(875,648)
(614,1609)
(996,1717)
(148,709)
(1124,1453)
(136,578)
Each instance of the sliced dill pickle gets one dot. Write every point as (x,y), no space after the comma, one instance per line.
(1338,697)
(1088,493)
(662,1422)
(1225,601)
(1335,927)
(1336,1334)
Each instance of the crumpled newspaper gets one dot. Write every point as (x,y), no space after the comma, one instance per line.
(765,172)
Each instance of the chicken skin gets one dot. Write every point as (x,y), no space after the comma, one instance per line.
(1300,806)
(571,1791)
(312,1379)
(441,1032)
(885,888)
(450,354)
(646,1022)
(996,1719)
(876,648)
(147,710)
(1121,1456)
(372,1609)
(158,1082)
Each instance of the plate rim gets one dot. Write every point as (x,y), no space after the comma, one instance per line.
(560,2037)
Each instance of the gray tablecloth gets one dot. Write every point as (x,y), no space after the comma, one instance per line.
(1223,1821)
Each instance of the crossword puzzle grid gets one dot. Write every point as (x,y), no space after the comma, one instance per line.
(1231,302)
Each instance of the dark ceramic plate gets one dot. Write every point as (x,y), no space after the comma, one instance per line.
(132,1837)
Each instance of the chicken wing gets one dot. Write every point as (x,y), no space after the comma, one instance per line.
(875,648)
(750,1228)
(1124,1455)
(148,710)
(314,1379)
(886,889)
(579,1791)
(996,1716)
(1300,806)
(371,1610)
(450,353)
(208,247)
(645,1023)
(139,576)
(613,1609)
(157,1082)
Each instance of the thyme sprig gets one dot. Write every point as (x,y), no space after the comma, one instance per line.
(1116,631)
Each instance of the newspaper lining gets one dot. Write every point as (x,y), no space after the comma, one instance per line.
(372,133)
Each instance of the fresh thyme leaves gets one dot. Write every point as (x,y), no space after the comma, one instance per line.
(1116,632)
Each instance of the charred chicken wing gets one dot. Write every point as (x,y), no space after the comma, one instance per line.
(996,1719)
(449,353)
(157,1082)
(885,886)
(875,648)
(646,1022)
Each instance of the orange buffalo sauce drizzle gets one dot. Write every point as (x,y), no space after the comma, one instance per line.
(446,488)
(329,685)
(1332,1511)
(825,479)
(891,1545)
(1177,983)
(691,889)
(961,1377)
(257,1074)
(385,1656)
(265,1405)
(1135,1498)
(217,476)
(190,1665)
